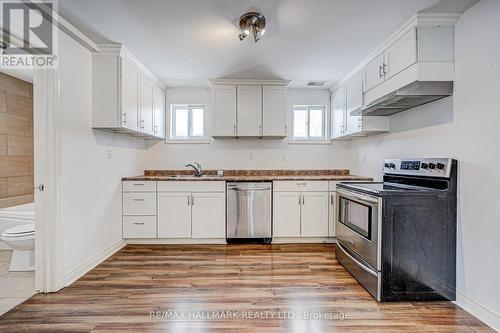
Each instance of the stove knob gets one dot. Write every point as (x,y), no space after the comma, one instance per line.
(387,165)
(440,166)
(432,166)
(424,166)
(392,166)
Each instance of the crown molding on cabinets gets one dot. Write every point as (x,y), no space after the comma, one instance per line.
(417,20)
(249,82)
(120,50)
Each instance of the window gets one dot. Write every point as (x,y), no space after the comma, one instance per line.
(309,123)
(188,123)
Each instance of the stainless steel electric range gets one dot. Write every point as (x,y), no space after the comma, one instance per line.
(398,237)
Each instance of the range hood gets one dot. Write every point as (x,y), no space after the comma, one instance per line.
(412,95)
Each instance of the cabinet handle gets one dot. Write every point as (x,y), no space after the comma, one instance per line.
(301,184)
(300,199)
(380,69)
(234,129)
(303,200)
(124,117)
(192,200)
(384,66)
(139,223)
(138,199)
(138,184)
(142,123)
(188,199)
(331,199)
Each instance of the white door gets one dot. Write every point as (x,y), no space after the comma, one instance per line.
(314,216)
(208,215)
(130,94)
(249,111)
(146,93)
(224,105)
(174,215)
(373,73)
(286,214)
(354,101)
(331,214)
(159,112)
(274,111)
(338,113)
(402,54)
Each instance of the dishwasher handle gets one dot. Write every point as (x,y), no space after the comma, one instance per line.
(249,189)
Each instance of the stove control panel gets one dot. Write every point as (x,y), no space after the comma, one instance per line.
(429,167)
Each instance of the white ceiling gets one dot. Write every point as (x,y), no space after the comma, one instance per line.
(186,42)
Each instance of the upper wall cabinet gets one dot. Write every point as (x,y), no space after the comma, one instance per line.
(413,67)
(247,108)
(127,97)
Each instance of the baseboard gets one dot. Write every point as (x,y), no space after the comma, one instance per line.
(486,316)
(166,241)
(303,240)
(92,262)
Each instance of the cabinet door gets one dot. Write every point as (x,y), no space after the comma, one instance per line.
(224,101)
(314,216)
(286,214)
(331,214)
(274,111)
(249,111)
(373,73)
(208,215)
(354,101)
(159,112)
(338,113)
(146,93)
(400,55)
(130,94)
(174,215)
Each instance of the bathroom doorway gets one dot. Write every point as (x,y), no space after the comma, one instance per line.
(17,193)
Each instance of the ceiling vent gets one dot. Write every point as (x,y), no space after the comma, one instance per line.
(316,83)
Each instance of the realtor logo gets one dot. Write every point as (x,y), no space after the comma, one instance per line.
(28,34)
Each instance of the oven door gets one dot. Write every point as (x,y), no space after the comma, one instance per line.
(358,224)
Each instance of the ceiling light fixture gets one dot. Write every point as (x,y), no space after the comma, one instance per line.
(252,23)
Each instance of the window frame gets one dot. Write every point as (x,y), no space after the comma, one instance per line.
(308,139)
(188,139)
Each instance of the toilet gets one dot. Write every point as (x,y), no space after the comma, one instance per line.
(22,239)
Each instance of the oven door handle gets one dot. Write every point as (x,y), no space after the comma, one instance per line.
(363,267)
(358,197)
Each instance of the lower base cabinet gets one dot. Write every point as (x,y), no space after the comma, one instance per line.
(300,209)
(174,215)
(208,215)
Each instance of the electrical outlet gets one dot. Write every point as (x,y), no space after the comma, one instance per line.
(109,154)
(283,157)
(251,157)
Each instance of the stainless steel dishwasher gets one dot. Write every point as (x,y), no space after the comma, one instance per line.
(249,212)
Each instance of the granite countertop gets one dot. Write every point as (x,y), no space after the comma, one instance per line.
(248,175)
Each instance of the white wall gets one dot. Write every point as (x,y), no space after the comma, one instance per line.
(235,153)
(90,193)
(465,127)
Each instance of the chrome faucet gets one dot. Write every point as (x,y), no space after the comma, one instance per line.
(196,166)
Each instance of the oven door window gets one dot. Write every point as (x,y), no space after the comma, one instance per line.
(356,216)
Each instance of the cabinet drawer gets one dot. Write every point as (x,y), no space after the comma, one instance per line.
(139,186)
(139,203)
(139,227)
(300,186)
(191,186)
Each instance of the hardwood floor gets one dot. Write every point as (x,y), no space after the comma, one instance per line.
(149,288)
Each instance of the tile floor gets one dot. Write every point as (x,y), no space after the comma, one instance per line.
(15,287)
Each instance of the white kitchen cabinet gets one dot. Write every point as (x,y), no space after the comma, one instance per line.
(174,215)
(122,93)
(159,112)
(130,94)
(300,209)
(146,105)
(354,101)
(373,74)
(139,227)
(314,214)
(224,111)
(338,113)
(208,215)
(249,111)
(400,55)
(139,209)
(286,214)
(331,213)
(274,117)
